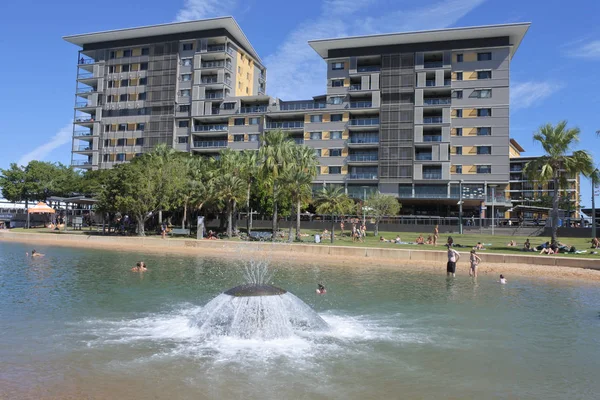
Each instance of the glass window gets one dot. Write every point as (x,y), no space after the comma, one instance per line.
(238,138)
(239,121)
(484,56)
(253,138)
(184,108)
(126,53)
(337,65)
(335,152)
(334,135)
(139,141)
(186,77)
(143,81)
(459,76)
(124,82)
(111,55)
(336,117)
(457,94)
(123,97)
(183,124)
(142,96)
(186,62)
(228,106)
(484,131)
(138,154)
(485,93)
(254,121)
(459,57)
(458,131)
(458,150)
(110,84)
(140,126)
(184,93)
(484,169)
(484,74)
(484,112)
(335,170)
(315,136)
(121,157)
(316,118)
(187,46)
(458,169)
(145,51)
(318,152)
(336,100)
(485,150)
(458,113)
(125,68)
(120,142)
(182,139)
(337,83)
(143,66)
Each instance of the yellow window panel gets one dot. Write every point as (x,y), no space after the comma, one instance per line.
(306,118)
(128,156)
(454,76)
(325,153)
(470,57)
(130,127)
(453,132)
(111,157)
(344,169)
(136,52)
(130,141)
(135,67)
(453,169)
(470,131)
(346,82)
(470,76)
(114,128)
(326,135)
(134,82)
(453,113)
(324,170)
(231,122)
(306,135)
(119,53)
(245,137)
(230,138)
(345,134)
(326,118)
(345,152)
(346,117)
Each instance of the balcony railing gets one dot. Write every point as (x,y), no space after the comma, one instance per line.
(215,111)
(364,122)
(82,133)
(363,140)
(213,95)
(81,162)
(363,157)
(423,157)
(262,77)
(210,128)
(298,140)
(301,106)
(84,119)
(432,138)
(211,143)
(230,51)
(432,102)
(257,109)
(84,61)
(361,104)
(363,176)
(447,82)
(432,120)
(210,80)
(430,82)
(210,49)
(433,64)
(81,104)
(432,175)
(85,75)
(85,89)
(355,87)
(84,147)
(285,125)
(369,68)
(516,169)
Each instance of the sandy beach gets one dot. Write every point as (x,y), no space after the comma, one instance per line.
(295,254)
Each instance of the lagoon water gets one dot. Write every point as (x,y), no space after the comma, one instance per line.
(78,324)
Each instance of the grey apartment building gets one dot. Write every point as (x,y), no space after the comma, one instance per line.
(423,116)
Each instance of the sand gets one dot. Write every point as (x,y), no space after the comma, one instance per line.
(281,253)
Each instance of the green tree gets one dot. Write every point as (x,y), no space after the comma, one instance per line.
(557,142)
(249,169)
(332,200)
(274,155)
(382,205)
(12,181)
(229,189)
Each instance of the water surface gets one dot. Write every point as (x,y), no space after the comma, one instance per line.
(78,323)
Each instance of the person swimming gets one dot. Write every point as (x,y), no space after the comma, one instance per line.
(321,289)
(502,279)
(139,267)
(34,253)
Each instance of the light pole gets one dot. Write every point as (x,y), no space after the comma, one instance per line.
(493,187)
(364,207)
(460,208)
(594,203)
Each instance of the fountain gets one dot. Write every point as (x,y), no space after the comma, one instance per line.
(257,310)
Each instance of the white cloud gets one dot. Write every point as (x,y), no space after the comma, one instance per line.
(530,94)
(200,9)
(295,70)
(62,137)
(586,49)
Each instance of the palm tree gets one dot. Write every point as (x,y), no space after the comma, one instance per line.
(333,201)
(248,162)
(229,188)
(274,155)
(298,184)
(557,142)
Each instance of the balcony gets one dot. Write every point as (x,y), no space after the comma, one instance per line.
(85,75)
(210,128)
(210,144)
(213,95)
(369,68)
(81,163)
(365,122)
(216,64)
(82,133)
(210,80)
(433,64)
(262,77)
(432,138)
(432,175)
(285,125)
(364,140)
(215,48)
(516,168)
(301,106)
(87,89)
(361,104)
(435,102)
(447,82)
(355,87)
(432,120)
(364,176)
(363,157)
(298,140)
(248,110)
(82,104)
(423,156)
(83,147)
(84,119)
(86,61)
(430,82)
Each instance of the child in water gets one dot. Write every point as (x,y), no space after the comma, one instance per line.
(475,260)
(502,279)
(321,289)
(140,267)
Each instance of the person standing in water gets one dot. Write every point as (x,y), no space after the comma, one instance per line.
(453,257)
(321,289)
(436,234)
(502,280)
(475,260)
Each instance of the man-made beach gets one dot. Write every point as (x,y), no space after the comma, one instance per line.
(545,267)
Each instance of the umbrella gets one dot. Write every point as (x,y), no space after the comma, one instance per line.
(39,208)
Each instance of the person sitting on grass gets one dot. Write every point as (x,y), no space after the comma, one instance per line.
(527,246)
(479,246)
(420,239)
(397,240)
(512,243)
(382,239)
(595,243)
(429,240)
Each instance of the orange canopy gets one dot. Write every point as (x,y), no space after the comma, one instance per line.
(40,208)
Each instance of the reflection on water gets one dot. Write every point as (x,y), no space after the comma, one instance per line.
(78,323)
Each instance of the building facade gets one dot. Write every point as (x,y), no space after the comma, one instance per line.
(422,116)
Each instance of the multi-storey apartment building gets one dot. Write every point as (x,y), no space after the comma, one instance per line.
(421,115)
(133,85)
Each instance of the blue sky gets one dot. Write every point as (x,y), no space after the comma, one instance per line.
(554,74)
